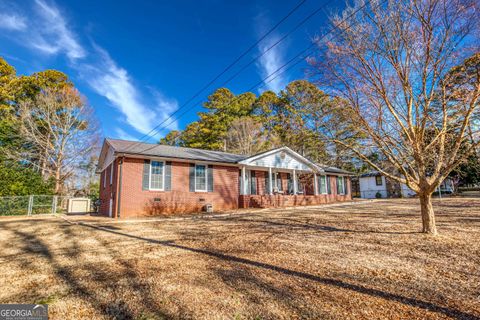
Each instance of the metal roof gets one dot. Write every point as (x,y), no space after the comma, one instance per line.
(370,174)
(165,151)
(336,170)
(159,150)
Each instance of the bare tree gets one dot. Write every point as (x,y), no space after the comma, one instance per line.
(394,62)
(247,136)
(61,130)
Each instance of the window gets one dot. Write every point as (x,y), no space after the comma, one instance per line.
(323,184)
(279,181)
(340,185)
(200,177)
(156,175)
(111,174)
(378,180)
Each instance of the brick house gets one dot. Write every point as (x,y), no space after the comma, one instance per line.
(142,179)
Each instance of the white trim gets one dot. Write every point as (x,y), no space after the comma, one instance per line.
(195,177)
(242,181)
(343,185)
(110,207)
(299,157)
(270,184)
(173,159)
(111,173)
(324,178)
(295,186)
(150,177)
(104,178)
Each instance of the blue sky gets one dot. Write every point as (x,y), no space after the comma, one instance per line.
(138,61)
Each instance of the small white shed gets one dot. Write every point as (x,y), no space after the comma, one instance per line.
(78,205)
(374,185)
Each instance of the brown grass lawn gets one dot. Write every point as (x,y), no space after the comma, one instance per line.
(364,261)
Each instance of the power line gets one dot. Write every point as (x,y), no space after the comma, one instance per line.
(302,22)
(229,66)
(302,52)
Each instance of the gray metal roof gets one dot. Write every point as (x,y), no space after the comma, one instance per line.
(164,151)
(159,150)
(336,170)
(370,174)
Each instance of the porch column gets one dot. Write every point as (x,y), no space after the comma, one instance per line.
(242,182)
(294,176)
(315,187)
(270,184)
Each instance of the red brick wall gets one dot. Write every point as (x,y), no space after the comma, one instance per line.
(109,191)
(136,202)
(266,201)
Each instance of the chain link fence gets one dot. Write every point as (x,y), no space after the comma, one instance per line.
(33,205)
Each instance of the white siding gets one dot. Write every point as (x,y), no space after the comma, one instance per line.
(406,191)
(369,188)
(276,160)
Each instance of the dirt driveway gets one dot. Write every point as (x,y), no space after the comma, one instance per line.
(358,261)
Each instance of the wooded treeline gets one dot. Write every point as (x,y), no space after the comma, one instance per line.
(48,135)
(301,117)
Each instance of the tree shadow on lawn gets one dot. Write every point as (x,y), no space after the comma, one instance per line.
(298,224)
(326,281)
(254,290)
(103,280)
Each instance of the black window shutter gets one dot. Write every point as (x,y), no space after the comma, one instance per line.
(210,178)
(253,183)
(329,186)
(146,175)
(168,175)
(192,177)
(345,184)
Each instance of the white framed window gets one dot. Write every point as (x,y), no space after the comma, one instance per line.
(111,174)
(157,175)
(323,184)
(200,178)
(341,185)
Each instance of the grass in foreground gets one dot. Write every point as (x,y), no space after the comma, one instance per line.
(364,261)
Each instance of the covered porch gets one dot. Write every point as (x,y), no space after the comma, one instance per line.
(282,178)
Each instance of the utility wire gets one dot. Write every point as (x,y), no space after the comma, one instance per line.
(227,68)
(304,52)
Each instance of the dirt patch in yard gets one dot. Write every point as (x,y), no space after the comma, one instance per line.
(362,261)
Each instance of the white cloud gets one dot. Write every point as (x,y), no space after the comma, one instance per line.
(166,106)
(49,33)
(53,35)
(114,83)
(12,22)
(272,60)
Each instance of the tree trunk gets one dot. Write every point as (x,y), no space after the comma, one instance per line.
(428,216)
(58,182)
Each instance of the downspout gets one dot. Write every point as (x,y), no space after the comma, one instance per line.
(119,184)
